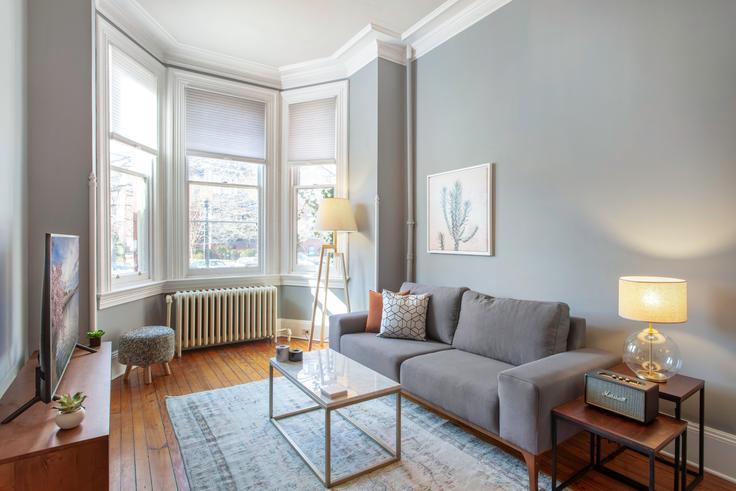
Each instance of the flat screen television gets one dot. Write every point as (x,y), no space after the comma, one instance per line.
(60,314)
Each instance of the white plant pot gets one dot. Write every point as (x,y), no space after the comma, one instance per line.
(70,420)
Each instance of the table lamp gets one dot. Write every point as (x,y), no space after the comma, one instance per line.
(334,215)
(650,354)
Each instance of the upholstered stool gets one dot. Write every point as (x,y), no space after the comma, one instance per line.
(145,346)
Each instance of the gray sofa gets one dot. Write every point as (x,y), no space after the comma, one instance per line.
(497,365)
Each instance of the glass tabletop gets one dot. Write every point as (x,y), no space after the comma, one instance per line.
(327,367)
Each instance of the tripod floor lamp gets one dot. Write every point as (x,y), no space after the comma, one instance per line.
(334,215)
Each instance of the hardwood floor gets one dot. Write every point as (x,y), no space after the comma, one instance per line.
(144,453)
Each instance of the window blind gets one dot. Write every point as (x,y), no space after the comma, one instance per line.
(133,100)
(225,125)
(312,130)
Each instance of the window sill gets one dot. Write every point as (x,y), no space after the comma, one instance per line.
(310,280)
(149,289)
(128,294)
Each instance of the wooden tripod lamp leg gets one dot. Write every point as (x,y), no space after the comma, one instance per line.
(345,281)
(316,298)
(324,304)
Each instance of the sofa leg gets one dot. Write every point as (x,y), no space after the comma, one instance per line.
(532,465)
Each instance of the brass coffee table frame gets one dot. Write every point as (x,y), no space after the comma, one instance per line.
(326,476)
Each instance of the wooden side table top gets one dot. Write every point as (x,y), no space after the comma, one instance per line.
(649,438)
(678,388)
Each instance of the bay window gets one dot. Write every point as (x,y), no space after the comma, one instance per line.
(223,180)
(225,156)
(130,91)
(315,135)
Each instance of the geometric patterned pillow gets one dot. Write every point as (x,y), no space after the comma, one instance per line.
(404,316)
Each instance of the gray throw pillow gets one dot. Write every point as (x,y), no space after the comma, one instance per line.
(404,316)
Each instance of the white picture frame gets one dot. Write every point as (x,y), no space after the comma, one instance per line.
(460,211)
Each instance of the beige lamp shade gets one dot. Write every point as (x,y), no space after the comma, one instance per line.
(335,214)
(652,299)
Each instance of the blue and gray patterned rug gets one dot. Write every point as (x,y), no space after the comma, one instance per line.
(228,443)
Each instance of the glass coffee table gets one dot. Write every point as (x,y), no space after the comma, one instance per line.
(325,367)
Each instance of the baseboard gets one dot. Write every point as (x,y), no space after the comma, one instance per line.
(719,451)
(300,328)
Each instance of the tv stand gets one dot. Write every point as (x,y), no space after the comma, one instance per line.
(35,453)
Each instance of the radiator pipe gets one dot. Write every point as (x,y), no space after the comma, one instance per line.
(410,198)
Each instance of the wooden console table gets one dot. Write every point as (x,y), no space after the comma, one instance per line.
(35,453)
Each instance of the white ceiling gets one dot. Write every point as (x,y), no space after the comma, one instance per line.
(280,32)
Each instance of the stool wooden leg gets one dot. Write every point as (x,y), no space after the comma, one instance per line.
(167,368)
(148,374)
(128,368)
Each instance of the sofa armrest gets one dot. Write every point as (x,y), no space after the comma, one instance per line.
(528,393)
(349,323)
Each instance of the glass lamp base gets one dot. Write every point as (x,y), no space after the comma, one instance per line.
(651,376)
(652,355)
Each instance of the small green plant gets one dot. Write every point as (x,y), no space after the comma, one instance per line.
(95,334)
(68,403)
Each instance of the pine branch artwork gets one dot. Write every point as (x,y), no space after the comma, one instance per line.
(457,214)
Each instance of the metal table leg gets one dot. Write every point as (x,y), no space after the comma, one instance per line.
(554,452)
(651,471)
(398,425)
(270,391)
(328,449)
(684,461)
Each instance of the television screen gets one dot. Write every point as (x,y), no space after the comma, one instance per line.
(60,317)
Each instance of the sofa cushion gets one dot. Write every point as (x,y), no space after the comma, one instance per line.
(459,382)
(443,310)
(509,330)
(385,355)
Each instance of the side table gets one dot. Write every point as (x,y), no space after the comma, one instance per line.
(678,389)
(646,439)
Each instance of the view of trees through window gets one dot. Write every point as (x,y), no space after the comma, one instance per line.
(130,170)
(312,183)
(224,212)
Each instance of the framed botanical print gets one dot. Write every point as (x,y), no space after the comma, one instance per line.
(460,211)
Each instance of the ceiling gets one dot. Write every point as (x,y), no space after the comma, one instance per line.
(280,32)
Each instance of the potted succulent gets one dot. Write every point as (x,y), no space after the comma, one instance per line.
(70,410)
(95,337)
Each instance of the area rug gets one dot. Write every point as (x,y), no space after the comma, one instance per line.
(228,443)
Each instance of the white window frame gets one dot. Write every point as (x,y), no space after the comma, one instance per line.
(338,90)
(178,226)
(108,36)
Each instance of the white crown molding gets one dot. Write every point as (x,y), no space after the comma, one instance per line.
(439,26)
(371,42)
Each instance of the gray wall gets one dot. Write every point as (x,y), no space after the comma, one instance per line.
(295,302)
(613,127)
(391,174)
(145,312)
(363,181)
(13,343)
(377,156)
(60,144)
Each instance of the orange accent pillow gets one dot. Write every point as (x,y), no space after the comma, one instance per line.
(375,309)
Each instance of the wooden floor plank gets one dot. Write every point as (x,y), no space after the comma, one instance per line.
(142,467)
(147,454)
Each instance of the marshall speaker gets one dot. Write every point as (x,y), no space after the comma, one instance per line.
(627,396)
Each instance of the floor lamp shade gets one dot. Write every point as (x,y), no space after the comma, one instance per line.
(649,353)
(335,215)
